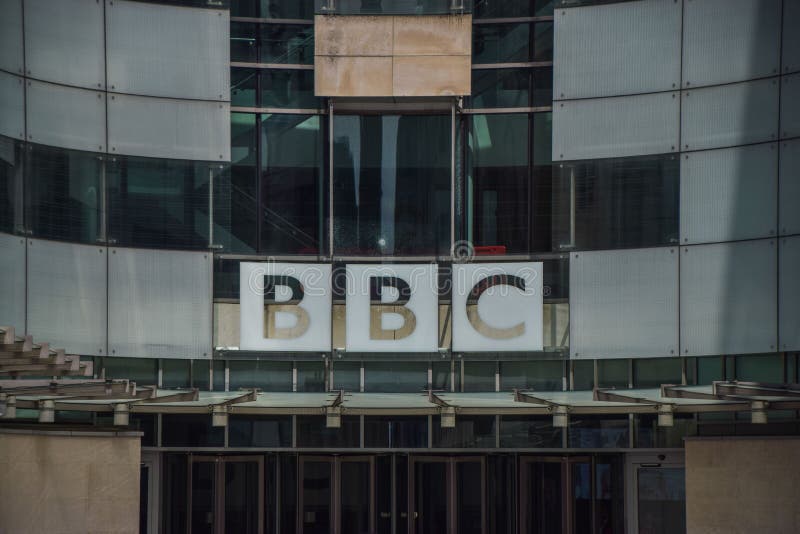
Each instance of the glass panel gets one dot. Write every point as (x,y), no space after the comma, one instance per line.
(527,432)
(396,376)
(244,44)
(649,434)
(469,497)
(283,9)
(316,516)
(143,371)
(618,202)
(347,376)
(512,88)
(430,497)
(260,431)
(288,89)
(709,369)
(392,184)
(200,374)
(470,431)
(609,496)
(384,489)
(145,423)
(543,41)
(391,7)
(479,376)
(590,432)
(490,9)
(245,8)
(190,430)
(501,487)
(760,368)
(582,496)
(653,372)
(661,499)
(404,432)
(502,43)
(235,194)
(218,366)
(355,487)
(241,497)
(175,496)
(266,375)
(63,195)
(612,373)
(310,376)
(288,493)
(175,373)
(582,374)
(293,44)
(10,166)
(313,432)
(203,498)
(291,183)
(159,202)
(539,375)
(244,87)
(541,498)
(440,380)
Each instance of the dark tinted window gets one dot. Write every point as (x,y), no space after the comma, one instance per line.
(516,42)
(470,431)
(512,88)
(190,430)
(287,43)
(260,431)
(496,9)
(527,431)
(266,375)
(62,193)
(288,89)
(244,87)
(618,202)
(10,166)
(586,431)
(146,423)
(396,432)
(235,192)
(310,375)
(244,42)
(395,376)
(392,184)
(313,432)
(539,375)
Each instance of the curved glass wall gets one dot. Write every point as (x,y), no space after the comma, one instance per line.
(10,181)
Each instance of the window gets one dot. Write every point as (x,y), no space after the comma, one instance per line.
(312,432)
(310,376)
(590,432)
(491,9)
(266,375)
(538,375)
(391,180)
(288,89)
(291,44)
(404,432)
(10,169)
(190,430)
(143,371)
(517,42)
(260,431)
(512,88)
(528,431)
(395,376)
(470,431)
(479,376)
(612,373)
(175,373)
(653,372)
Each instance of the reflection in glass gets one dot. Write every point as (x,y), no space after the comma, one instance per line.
(266,375)
(391,184)
(661,499)
(470,431)
(538,375)
(355,486)
(288,89)
(430,497)
(582,496)
(241,497)
(541,497)
(159,202)
(281,9)
(616,202)
(203,497)
(501,43)
(310,376)
(244,87)
(403,432)
(529,432)
(235,195)
(469,498)
(316,488)
(260,431)
(291,183)
(62,193)
(493,9)
(312,432)
(512,88)
(395,376)
(594,432)
(190,430)
(10,167)
(244,44)
(653,372)
(285,43)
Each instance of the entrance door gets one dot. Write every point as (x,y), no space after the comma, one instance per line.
(337,494)
(661,499)
(226,494)
(447,495)
(543,492)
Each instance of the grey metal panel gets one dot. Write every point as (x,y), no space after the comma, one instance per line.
(64,42)
(729,194)
(791,37)
(11,51)
(624,303)
(789,293)
(67,296)
(168,51)
(729,115)
(165,128)
(730,40)
(790,187)
(12,281)
(66,117)
(12,106)
(159,303)
(617,49)
(614,127)
(790,106)
(729,298)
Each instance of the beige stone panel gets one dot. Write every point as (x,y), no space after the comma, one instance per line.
(435,35)
(353,76)
(352,36)
(339,326)
(226,324)
(432,76)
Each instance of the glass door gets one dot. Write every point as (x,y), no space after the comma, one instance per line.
(226,494)
(661,499)
(543,493)
(316,474)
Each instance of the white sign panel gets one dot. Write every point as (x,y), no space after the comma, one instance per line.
(497,307)
(392,308)
(285,306)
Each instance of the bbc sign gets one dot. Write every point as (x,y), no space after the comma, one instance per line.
(391,308)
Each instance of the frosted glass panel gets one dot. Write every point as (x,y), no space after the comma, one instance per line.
(728,298)
(624,303)
(64,42)
(159,303)
(615,127)
(729,194)
(66,117)
(168,51)
(617,49)
(67,296)
(729,115)
(730,41)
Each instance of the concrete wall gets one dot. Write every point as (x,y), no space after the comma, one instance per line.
(383,56)
(69,482)
(742,485)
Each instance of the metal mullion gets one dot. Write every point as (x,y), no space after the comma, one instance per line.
(219,495)
(336,494)
(257,175)
(452,518)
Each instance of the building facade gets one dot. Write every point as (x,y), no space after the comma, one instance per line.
(640,158)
